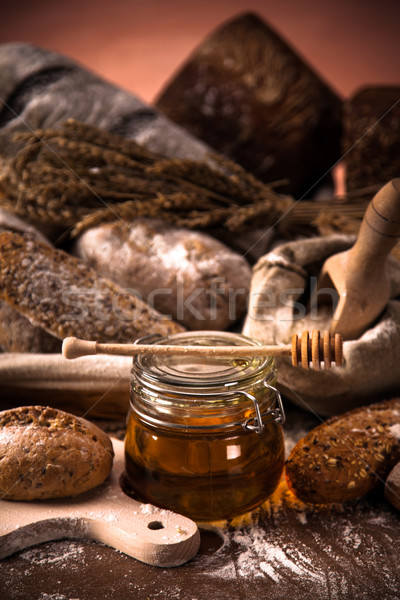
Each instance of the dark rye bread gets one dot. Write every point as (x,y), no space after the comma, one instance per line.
(57,292)
(251,97)
(347,456)
(371,136)
(392,487)
(48,453)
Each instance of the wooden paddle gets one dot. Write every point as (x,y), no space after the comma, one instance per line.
(359,275)
(105,514)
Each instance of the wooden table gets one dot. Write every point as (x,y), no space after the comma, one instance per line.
(284,550)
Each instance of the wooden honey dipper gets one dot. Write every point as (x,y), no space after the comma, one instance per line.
(303,350)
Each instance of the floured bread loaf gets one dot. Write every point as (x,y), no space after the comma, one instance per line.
(17,334)
(44,88)
(48,453)
(66,298)
(189,275)
(347,456)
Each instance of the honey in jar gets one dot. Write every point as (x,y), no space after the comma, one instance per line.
(204,434)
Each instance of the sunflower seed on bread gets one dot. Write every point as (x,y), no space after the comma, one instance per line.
(348,456)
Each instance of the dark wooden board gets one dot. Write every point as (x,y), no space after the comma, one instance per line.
(284,550)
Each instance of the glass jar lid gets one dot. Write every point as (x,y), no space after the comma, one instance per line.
(201,371)
(205,391)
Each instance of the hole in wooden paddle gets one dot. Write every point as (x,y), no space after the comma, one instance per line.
(155,525)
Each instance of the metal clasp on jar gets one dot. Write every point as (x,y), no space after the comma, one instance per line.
(276,414)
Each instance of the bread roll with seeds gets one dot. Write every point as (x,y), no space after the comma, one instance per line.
(57,292)
(347,456)
(48,453)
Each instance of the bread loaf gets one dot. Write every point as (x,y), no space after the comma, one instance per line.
(371,137)
(347,456)
(66,298)
(187,274)
(44,88)
(251,97)
(17,334)
(9,221)
(392,487)
(48,453)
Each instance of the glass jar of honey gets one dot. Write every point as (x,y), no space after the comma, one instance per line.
(204,434)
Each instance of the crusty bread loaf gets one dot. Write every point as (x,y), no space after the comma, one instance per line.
(187,274)
(251,97)
(392,487)
(17,334)
(48,88)
(48,453)
(347,456)
(9,221)
(57,292)
(371,159)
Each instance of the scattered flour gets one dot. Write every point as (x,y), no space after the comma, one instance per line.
(148,509)
(395,430)
(302,517)
(260,557)
(70,551)
(44,596)
(351,537)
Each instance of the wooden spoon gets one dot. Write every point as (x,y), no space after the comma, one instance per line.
(359,274)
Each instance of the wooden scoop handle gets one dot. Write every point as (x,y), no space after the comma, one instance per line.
(379,231)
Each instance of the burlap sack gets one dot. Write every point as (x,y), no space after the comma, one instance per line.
(279,305)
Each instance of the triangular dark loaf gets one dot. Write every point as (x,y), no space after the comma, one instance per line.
(251,97)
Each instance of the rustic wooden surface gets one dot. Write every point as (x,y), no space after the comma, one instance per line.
(282,550)
(103,514)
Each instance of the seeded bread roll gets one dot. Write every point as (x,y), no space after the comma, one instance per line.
(347,456)
(17,334)
(57,292)
(48,453)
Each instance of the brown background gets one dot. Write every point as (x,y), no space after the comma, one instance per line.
(139,44)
